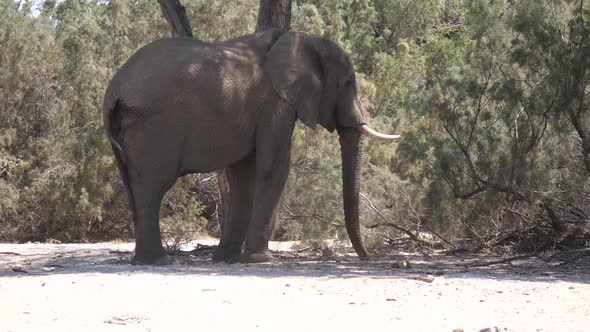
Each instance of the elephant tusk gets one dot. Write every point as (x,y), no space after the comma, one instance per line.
(372,133)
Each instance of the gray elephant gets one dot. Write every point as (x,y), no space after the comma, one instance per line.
(181,106)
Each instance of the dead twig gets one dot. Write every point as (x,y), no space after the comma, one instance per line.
(19,270)
(390,224)
(421,223)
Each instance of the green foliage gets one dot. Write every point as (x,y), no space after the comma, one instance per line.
(181,215)
(312,203)
(492,99)
(307,18)
(58,177)
(498,132)
(215,21)
(54,68)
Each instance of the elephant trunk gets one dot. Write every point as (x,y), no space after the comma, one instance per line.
(351,145)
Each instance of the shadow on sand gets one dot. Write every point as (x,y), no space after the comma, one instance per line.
(27,260)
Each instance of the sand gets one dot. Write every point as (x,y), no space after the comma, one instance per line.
(92,287)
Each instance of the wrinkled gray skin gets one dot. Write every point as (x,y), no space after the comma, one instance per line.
(181,106)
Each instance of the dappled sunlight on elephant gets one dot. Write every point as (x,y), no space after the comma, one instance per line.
(181,106)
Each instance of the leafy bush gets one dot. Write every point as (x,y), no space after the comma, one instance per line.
(492,100)
(181,215)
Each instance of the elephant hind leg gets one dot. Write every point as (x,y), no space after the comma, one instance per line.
(147,193)
(241,178)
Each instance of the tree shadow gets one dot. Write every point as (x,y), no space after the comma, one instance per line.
(69,259)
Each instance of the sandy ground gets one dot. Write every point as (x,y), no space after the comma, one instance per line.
(92,287)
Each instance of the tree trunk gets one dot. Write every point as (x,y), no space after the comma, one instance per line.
(175,14)
(274,14)
(224,196)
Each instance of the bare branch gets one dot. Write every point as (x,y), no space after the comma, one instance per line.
(480,108)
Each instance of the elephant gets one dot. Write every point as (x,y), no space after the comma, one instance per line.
(181,106)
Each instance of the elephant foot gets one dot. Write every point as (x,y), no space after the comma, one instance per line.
(159,261)
(227,254)
(153,259)
(257,257)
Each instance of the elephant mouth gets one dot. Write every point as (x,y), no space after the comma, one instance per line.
(368,131)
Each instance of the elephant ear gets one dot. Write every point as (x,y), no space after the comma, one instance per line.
(294,66)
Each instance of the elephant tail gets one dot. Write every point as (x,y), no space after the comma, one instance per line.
(112,125)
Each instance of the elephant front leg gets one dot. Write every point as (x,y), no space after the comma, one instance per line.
(241,178)
(270,181)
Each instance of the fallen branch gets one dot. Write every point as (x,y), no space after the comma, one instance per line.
(502,261)
(428,229)
(577,254)
(9,253)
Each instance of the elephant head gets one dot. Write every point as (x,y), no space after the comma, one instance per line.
(316,77)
